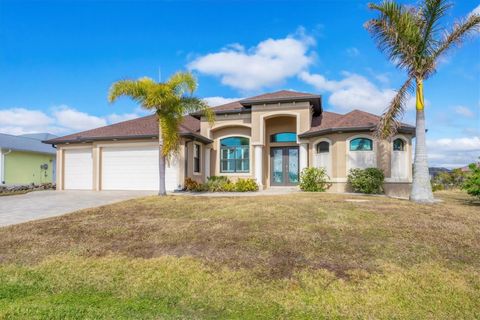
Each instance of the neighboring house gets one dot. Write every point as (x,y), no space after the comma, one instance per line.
(270,138)
(25,159)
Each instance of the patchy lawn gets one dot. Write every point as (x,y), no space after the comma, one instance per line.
(303,255)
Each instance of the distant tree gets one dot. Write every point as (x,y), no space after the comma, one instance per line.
(472,181)
(449,180)
(415,40)
(171,101)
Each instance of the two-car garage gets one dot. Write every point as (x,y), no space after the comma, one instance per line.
(132,167)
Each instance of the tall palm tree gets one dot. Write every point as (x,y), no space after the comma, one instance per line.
(171,101)
(414,40)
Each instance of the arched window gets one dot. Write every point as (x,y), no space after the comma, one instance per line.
(234,155)
(398,145)
(323,147)
(361,144)
(284,137)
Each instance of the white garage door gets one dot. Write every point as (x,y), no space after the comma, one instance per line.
(78,169)
(135,168)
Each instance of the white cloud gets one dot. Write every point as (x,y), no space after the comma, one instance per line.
(60,120)
(217,101)
(77,120)
(453,152)
(269,63)
(353,92)
(464,111)
(353,52)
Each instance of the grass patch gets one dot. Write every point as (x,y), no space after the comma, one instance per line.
(309,256)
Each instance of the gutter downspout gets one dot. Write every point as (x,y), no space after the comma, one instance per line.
(2,165)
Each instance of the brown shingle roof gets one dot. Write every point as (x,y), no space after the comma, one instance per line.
(354,120)
(282,94)
(144,127)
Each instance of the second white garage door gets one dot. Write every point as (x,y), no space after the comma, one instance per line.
(135,168)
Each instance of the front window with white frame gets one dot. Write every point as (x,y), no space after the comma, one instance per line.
(196,157)
(235,155)
(400,163)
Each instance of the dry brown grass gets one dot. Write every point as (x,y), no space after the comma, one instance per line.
(273,236)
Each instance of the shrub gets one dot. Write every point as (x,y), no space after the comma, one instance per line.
(192,185)
(246,185)
(369,180)
(314,180)
(219,184)
(472,181)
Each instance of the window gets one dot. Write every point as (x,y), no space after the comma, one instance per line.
(284,137)
(361,144)
(323,147)
(398,145)
(196,158)
(234,155)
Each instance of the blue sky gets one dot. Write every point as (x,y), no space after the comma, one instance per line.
(58,59)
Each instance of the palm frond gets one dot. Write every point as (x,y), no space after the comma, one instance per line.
(193,104)
(135,89)
(453,38)
(390,120)
(397,32)
(431,13)
(183,83)
(168,125)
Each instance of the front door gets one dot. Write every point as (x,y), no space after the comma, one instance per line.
(284,166)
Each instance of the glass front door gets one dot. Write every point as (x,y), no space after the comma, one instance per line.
(284,166)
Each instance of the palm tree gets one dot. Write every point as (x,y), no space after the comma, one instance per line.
(171,101)
(414,40)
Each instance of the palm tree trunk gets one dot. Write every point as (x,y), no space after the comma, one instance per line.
(421,188)
(161,165)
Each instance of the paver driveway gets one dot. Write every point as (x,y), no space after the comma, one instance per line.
(44,204)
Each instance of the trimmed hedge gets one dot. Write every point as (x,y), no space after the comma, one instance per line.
(369,180)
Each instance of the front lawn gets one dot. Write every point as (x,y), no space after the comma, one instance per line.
(303,255)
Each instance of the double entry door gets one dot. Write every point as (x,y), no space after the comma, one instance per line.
(284,166)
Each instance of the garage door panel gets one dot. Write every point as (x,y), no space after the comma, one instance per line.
(78,169)
(134,168)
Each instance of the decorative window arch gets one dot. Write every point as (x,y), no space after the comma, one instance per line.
(361,144)
(398,144)
(235,154)
(284,137)
(323,147)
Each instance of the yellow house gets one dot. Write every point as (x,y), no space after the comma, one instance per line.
(270,137)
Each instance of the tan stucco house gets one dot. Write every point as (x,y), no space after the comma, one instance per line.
(270,137)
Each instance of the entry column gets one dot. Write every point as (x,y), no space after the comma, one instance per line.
(207,161)
(259,165)
(303,156)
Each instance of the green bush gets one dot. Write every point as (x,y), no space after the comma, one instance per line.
(369,180)
(246,185)
(219,184)
(472,181)
(314,180)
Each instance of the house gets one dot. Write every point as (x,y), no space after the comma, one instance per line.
(270,137)
(25,159)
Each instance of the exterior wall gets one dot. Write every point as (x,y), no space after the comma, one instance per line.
(300,110)
(339,153)
(24,168)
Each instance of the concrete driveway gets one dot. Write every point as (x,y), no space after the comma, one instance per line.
(44,204)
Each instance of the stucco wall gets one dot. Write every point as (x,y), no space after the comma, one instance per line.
(24,168)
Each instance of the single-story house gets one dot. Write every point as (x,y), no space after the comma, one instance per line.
(270,137)
(25,159)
